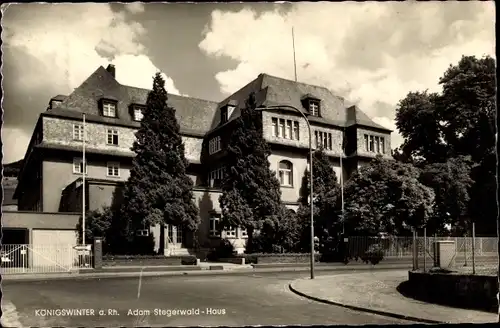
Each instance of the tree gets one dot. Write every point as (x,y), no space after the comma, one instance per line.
(326,201)
(460,121)
(97,224)
(250,190)
(159,191)
(386,196)
(451,182)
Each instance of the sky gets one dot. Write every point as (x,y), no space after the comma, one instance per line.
(370,53)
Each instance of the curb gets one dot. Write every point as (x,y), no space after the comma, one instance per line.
(191,272)
(362,309)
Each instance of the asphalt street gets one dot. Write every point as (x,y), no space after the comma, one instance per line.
(215,300)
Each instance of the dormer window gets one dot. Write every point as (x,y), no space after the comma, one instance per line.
(223,115)
(138,113)
(55,103)
(108,106)
(312,104)
(108,109)
(227,111)
(314,107)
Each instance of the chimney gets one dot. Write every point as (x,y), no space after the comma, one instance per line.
(111,70)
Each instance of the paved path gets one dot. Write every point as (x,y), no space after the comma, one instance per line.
(376,292)
(136,271)
(241,299)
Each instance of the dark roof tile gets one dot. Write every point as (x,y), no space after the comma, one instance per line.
(192,114)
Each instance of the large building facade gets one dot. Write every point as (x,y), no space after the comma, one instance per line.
(51,178)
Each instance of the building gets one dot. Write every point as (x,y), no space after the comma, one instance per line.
(51,177)
(9,187)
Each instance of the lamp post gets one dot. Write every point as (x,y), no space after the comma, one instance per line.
(274,108)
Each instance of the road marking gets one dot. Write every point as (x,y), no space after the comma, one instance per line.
(140,284)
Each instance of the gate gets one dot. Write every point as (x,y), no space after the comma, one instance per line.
(26,258)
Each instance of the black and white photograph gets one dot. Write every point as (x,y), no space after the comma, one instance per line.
(249,164)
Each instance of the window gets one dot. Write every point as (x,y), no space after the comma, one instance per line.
(243,233)
(323,139)
(274,131)
(78,132)
(108,109)
(170,233)
(113,169)
(214,230)
(112,137)
(314,107)
(230,232)
(289,131)
(216,177)
(374,144)
(282,128)
(179,235)
(78,166)
(214,145)
(138,114)
(223,115)
(296,130)
(285,173)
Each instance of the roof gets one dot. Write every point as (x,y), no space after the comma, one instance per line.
(59,97)
(192,114)
(275,91)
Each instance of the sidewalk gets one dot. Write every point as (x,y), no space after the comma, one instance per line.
(376,292)
(203,269)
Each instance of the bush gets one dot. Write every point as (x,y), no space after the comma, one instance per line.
(225,249)
(374,254)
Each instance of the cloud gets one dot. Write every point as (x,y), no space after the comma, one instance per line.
(371,53)
(54,48)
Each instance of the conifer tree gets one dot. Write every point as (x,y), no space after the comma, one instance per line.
(159,191)
(251,194)
(326,200)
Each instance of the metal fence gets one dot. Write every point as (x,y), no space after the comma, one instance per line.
(473,254)
(476,255)
(25,258)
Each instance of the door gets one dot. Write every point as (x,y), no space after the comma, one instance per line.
(53,249)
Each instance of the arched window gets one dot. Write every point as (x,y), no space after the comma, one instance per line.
(285,171)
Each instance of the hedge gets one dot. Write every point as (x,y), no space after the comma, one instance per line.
(147,260)
(278,258)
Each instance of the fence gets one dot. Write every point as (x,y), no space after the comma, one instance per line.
(474,254)
(24,258)
(465,254)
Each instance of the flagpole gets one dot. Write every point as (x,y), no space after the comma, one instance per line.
(84,169)
(294,61)
(342,179)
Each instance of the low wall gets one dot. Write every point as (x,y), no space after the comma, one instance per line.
(110,261)
(460,290)
(278,258)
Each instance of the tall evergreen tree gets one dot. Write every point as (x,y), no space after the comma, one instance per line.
(158,190)
(326,200)
(251,192)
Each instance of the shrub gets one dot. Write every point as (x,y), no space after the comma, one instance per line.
(374,254)
(225,249)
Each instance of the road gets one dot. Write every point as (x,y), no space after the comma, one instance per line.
(233,300)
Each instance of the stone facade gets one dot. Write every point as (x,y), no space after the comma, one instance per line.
(50,169)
